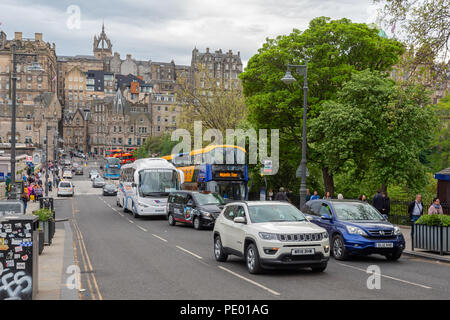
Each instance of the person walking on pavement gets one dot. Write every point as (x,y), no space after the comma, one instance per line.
(315,196)
(25,198)
(377,201)
(340,196)
(308,195)
(362,198)
(415,210)
(386,204)
(281,196)
(327,196)
(435,207)
(270,195)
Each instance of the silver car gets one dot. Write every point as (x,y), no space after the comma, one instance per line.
(65,188)
(98,183)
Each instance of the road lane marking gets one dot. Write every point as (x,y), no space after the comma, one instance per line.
(389,277)
(250,281)
(131,221)
(195,255)
(159,237)
(143,229)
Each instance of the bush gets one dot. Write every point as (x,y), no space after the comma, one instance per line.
(434,220)
(44,214)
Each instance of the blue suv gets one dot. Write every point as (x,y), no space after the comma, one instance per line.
(355,227)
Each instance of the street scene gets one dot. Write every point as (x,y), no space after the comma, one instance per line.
(310,162)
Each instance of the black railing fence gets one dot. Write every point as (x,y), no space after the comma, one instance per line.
(397,215)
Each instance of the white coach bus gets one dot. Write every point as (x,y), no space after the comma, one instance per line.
(145,184)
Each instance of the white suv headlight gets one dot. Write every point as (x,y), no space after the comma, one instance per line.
(356,230)
(143,205)
(268,236)
(324,235)
(397,231)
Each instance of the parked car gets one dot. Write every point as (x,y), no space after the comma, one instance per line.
(98,182)
(67,173)
(355,227)
(79,171)
(270,234)
(94,174)
(75,165)
(65,188)
(109,189)
(199,209)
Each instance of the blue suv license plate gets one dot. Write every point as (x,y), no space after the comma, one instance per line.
(384,245)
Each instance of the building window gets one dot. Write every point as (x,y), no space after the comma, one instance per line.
(129,141)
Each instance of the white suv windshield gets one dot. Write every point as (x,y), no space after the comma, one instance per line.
(274,213)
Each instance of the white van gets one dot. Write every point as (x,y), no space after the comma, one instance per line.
(145,184)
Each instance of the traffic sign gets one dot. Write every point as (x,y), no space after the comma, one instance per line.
(267,166)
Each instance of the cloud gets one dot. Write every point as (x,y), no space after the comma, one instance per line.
(165,30)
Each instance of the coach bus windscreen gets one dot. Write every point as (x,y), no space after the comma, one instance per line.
(157,182)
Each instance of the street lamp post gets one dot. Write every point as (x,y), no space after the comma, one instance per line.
(288,79)
(35,67)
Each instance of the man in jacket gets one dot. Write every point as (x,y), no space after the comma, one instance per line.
(377,201)
(281,196)
(415,209)
(386,204)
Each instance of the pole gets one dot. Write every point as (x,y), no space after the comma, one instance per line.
(13,194)
(46,160)
(303,162)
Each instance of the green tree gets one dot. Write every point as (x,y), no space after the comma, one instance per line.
(439,153)
(379,127)
(155,146)
(335,49)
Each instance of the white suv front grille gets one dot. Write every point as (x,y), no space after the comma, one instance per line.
(300,237)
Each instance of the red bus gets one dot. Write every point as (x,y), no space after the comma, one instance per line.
(125,157)
(112,152)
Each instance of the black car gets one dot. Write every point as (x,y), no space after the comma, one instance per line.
(199,209)
(110,190)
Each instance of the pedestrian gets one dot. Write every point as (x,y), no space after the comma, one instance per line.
(270,197)
(24,197)
(38,192)
(340,196)
(327,196)
(377,201)
(415,210)
(315,196)
(435,207)
(281,195)
(386,204)
(33,193)
(308,195)
(362,198)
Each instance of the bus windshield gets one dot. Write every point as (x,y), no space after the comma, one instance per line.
(157,182)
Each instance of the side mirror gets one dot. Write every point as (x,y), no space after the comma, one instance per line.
(240,220)
(325,217)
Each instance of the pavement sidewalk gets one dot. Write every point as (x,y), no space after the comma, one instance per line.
(56,261)
(406,230)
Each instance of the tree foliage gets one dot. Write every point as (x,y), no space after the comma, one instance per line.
(155,146)
(335,49)
(424,25)
(378,126)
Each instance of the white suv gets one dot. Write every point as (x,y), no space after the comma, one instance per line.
(270,234)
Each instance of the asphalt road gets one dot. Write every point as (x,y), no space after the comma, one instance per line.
(125,258)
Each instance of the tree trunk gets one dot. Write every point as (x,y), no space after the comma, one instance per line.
(383,187)
(328,181)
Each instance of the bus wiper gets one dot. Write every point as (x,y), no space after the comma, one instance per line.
(145,194)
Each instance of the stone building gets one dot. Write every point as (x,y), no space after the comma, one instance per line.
(32,121)
(29,84)
(75,130)
(118,123)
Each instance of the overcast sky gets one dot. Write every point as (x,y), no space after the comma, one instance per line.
(162,30)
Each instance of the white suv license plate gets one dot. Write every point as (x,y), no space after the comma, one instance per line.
(299,252)
(384,245)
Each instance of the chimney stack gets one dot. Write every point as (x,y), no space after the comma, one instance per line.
(38,36)
(17,35)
